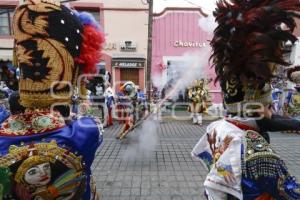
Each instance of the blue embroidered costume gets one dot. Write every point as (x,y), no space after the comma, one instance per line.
(45,153)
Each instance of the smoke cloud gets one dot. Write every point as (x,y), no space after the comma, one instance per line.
(208,24)
(146,142)
(192,66)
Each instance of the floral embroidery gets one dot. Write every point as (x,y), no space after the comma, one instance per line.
(207,159)
(226,171)
(217,151)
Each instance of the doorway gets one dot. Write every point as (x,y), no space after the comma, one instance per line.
(129,74)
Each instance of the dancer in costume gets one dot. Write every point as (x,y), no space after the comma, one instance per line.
(97,88)
(293,97)
(277,100)
(8,76)
(198,95)
(142,105)
(109,101)
(4,112)
(129,101)
(43,155)
(247,46)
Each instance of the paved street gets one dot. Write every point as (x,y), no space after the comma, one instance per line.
(154,162)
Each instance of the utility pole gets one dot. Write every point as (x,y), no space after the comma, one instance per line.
(149,55)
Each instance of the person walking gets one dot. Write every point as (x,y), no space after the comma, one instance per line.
(109,101)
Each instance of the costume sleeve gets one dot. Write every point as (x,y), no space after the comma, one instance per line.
(278,123)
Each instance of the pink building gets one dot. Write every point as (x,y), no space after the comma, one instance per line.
(176,33)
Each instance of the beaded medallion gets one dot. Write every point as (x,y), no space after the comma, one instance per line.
(32,122)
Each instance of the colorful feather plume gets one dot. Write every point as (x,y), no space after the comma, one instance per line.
(66,184)
(93,40)
(250,36)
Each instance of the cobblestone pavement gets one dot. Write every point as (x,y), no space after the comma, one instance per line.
(154,162)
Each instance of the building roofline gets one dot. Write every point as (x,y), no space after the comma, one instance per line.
(180,9)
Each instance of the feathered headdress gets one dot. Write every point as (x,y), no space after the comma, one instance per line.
(248,43)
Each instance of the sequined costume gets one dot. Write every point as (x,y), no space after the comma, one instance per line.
(43,151)
(246,51)
(292,101)
(128,106)
(4,113)
(109,101)
(198,96)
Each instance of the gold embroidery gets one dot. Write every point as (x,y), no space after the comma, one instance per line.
(24,55)
(231,87)
(40,6)
(50,150)
(19,34)
(35,27)
(60,60)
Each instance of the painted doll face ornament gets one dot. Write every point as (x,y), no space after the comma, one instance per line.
(39,175)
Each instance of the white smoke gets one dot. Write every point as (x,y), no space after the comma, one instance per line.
(193,65)
(208,24)
(216,110)
(146,143)
(159,81)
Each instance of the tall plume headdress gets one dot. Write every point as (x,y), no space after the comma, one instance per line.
(54,45)
(248,45)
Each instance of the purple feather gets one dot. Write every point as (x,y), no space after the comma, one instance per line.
(88,19)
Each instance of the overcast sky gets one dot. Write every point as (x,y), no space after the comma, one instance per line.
(206,5)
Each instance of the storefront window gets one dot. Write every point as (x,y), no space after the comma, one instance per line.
(6,15)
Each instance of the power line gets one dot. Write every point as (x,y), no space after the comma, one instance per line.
(194,4)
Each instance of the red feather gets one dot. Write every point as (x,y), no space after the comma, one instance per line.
(91,47)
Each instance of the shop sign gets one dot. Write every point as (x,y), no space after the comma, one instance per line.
(128,46)
(189,44)
(130,63)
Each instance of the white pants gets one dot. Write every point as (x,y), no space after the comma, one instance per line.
(197,118)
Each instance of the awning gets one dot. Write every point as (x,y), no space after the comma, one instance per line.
(137,56)
(6,54)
